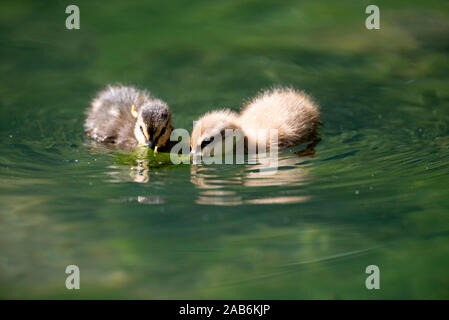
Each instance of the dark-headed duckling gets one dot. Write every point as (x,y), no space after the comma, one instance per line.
(128,117)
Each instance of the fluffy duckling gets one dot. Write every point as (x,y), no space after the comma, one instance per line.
(209,127)
(292,113)
(128,117)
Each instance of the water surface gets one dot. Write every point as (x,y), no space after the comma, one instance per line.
(376,191)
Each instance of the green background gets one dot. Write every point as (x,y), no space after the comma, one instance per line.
(376,192)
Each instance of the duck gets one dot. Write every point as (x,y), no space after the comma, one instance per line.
(291,112)
(128,117)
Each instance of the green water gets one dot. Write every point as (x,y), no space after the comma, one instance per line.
(376,191)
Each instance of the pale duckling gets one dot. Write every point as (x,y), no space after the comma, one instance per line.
(128,117)
(209,127)
(292,113)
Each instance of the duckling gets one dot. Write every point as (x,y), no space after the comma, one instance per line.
(128,117)
(292,113)
(209,127)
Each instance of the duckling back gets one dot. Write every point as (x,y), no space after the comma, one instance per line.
(292,113)
(109,118)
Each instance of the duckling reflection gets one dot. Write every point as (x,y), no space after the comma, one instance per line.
(140,173)
(219,185)
(210,184)
(141,199)
(141,166)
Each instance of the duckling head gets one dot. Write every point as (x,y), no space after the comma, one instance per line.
(153,124)
(210,129)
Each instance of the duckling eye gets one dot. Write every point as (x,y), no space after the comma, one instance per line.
(206,141)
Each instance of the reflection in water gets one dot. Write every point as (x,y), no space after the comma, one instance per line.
(387,137)
(141,199)
(261,180)
(220,185)
(140,172)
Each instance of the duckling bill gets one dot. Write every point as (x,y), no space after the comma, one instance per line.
(128,117)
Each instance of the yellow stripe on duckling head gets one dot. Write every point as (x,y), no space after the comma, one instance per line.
(134,111)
